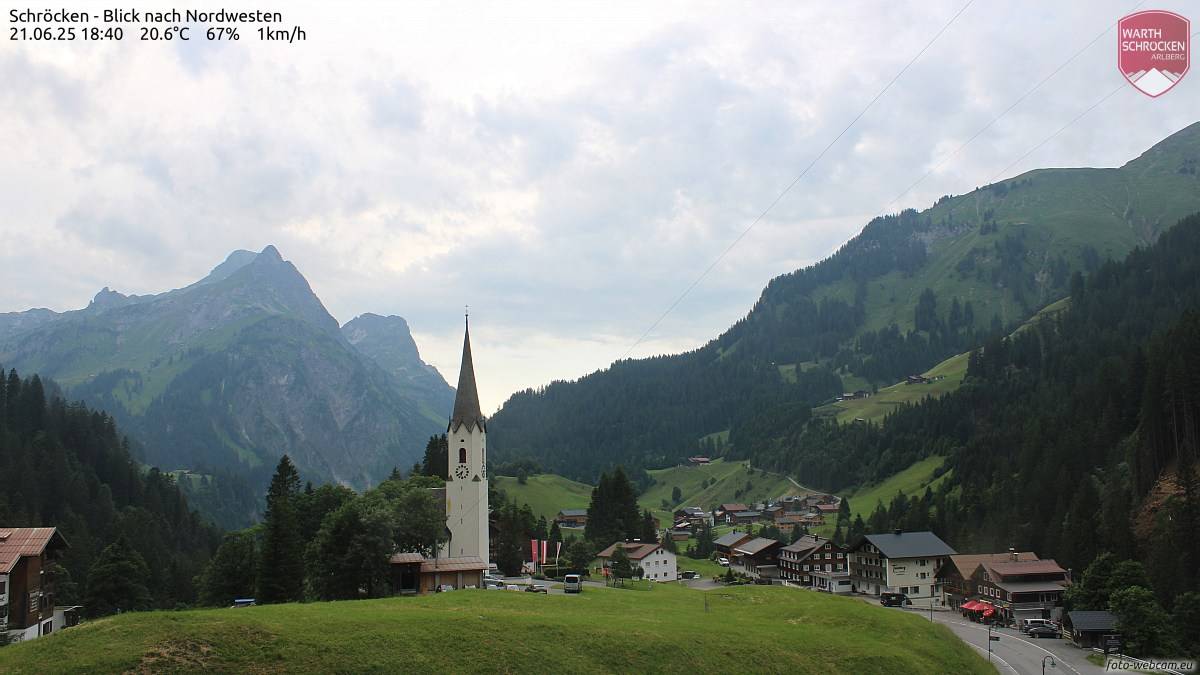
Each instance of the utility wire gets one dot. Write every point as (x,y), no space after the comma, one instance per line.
(798,178)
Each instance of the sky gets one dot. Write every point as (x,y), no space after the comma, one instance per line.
(566,169)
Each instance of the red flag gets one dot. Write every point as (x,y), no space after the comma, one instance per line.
(533,544)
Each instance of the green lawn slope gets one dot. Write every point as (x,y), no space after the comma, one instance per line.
(598,631)
(546,493)
(726,480)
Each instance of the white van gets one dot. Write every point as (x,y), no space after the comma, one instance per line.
(572,583)
(1026,624)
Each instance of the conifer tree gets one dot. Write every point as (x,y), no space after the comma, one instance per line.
(115,582)
(281,560)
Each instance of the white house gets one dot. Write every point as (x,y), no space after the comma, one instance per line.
(899,562)
(656,562)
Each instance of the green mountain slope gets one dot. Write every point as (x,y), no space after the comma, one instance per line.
(227,374)
(598,631)
(546,493)
(909,291)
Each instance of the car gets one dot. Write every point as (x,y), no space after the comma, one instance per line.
(894,599)
(1026,624)
(572,583)
(723,562)
(689,574)
(535,588)
(444,588)
(1044,632)
(243,602)
(512,587)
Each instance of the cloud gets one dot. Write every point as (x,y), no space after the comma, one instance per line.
(565,169)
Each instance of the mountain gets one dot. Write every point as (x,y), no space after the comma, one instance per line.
(910,290)
(227,374)
(386,340)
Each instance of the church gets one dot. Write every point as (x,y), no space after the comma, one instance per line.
(463,559)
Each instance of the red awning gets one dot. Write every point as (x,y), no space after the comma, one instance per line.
(970,605)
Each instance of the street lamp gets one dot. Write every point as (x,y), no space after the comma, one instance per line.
(1052,663)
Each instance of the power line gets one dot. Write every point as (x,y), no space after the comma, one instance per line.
(803,173)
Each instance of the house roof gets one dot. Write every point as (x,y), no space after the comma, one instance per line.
(1088,621)
(732,507)
(756,546)
(805,544)
(462,564)
(19,542)
(406,558)
(746,514)
(828,507)
(1012,569)
(907,544)
(731,539)
(573,512)
(1030,586)
(636,550)
(466,398)
(966,563)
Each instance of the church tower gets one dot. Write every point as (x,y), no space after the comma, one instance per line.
(467,486)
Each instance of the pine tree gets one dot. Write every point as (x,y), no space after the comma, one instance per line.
(281,560)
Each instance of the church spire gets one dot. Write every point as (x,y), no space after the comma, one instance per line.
(466,399)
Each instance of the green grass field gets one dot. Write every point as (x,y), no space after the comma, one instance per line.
(546,493)
(875,407)
(725,480)
(598,631)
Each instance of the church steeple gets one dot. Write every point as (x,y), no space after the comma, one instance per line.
(466,399)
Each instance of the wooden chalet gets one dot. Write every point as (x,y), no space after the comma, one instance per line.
(26,595)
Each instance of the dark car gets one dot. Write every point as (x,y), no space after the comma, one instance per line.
(1045,632)
(894,599)
(535,588)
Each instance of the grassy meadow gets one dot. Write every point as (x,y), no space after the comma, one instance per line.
(601,630)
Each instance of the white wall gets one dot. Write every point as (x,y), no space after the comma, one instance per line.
(659,566)
(905,573)
(467,499)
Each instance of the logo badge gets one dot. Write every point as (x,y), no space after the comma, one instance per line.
(1153,50)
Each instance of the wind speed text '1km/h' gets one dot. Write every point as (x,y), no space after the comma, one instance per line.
(149,26)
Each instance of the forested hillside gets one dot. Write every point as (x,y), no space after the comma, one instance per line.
(66,466)
(1076,436)
(910,290)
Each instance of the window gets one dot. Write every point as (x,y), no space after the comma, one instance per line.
(462,455)
(2,583)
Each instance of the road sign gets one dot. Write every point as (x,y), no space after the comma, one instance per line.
(995,638)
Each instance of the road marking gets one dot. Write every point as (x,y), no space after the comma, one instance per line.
(1006,664)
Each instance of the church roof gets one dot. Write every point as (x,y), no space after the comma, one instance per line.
(466,399)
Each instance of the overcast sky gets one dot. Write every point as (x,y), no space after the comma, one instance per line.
(567,169)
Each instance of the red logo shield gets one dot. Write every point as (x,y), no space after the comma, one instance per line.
(1153,50)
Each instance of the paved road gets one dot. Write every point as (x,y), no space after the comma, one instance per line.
(1014,652)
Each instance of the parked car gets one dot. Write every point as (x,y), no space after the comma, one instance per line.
(1026,624)
(572,583)
(689,574)
(1044,632)
(535,588)
(723,562)
(894,599)
(512,587)
(444,588)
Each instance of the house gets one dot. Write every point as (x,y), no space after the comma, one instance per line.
(1091,628)
(786,520)
(916,379)
(955,576)
(414,574)
(743,517)
(572,518)
(898,562)
(724,512)
(757,557)
(727,542)
(656,562)
(1022,589)
(26,594)
(827,509)
(812,520)
(816,562)
(698,461)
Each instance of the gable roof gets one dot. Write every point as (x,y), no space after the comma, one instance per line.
(756,546)
(1092,620)
(746,514)
(732,507)
(806,544)
(636,550)
(966,563)
(466,398)
(1012,569)
(461,564)
(20,542)
(573,512)
(731,539)
(907,544)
